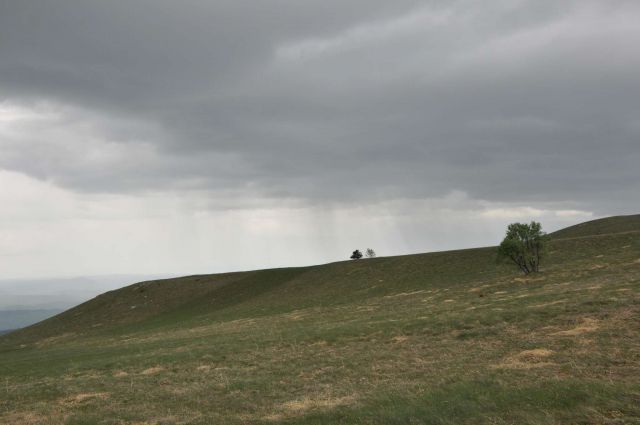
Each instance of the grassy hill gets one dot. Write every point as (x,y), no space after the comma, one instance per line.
(602,226)
(439,338)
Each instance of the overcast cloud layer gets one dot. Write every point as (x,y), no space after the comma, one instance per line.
(163,136)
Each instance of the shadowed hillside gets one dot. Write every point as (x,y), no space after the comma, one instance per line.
(447,337)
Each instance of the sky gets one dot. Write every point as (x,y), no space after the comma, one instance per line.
(157,137)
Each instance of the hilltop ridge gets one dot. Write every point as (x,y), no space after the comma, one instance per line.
(601,226)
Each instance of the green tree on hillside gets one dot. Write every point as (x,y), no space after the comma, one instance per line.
(524,246)
(356,255)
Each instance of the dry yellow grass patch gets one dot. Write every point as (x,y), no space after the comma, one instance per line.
(166,420)
(588,325)
(297,315)
(203,368)
(82,397)
(152,370)
(399,338)
(28,418)
(529,279)
(479,288)
(527,359)
(120,374)
(301,406)
(208,328)
(548,304)
(54,339)
(308,403)
(535,353)
(367,308)
(313,374)
(404,294)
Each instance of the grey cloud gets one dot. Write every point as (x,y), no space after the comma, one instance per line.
(333,101)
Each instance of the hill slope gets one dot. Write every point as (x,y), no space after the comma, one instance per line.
(602,226)
(448,337)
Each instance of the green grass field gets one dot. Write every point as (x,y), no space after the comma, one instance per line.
(440,338)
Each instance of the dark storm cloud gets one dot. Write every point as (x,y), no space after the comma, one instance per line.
(332,100)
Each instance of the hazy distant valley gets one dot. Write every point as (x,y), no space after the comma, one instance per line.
(27,301)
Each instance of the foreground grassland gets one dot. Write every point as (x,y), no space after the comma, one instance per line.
(441,338)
